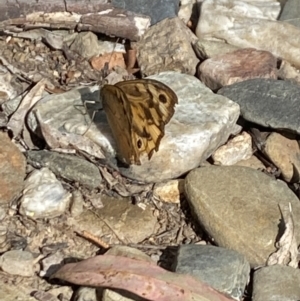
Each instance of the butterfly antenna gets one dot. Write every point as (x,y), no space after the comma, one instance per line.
(105,70)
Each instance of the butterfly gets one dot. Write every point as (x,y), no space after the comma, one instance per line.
(137,112)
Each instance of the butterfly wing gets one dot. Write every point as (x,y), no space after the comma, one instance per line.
(118,115)
(152,106)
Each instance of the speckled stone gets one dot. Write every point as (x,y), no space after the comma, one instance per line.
(225,270)
(241,208)
(276,282)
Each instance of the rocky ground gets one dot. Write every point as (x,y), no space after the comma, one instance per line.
(213,215)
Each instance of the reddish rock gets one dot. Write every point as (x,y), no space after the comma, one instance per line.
(113,59)
(12,169)
(237,66)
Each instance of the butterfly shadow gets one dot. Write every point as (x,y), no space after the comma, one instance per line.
(97,127)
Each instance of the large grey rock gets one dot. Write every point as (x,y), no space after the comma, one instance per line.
(267,102)
(291,12)
(276,283)
(241,208)
(225,270)
(157,9)
(202,122)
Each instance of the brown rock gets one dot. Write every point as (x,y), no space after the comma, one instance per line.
(252,162)
(167,46)
(241,209)
(12,170)
(169,191)
(206,49)
(277,280)
(117,221)
(237,66)
(113,59)
(285,154)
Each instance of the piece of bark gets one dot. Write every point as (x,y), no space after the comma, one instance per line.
(75,15)
(16,9)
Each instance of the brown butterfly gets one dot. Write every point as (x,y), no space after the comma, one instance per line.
(137,112)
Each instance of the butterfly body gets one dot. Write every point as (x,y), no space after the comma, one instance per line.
(137,112)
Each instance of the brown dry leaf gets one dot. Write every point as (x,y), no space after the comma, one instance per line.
(113,59)
(287,252)
(16,122)
(131,61)
(111,181)
(142,278)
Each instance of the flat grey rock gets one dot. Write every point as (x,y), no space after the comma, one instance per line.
(267,102)
(276,283)
(69,167)
(291,12)
(241,208)
(118,220)
(225,270)
(157,9)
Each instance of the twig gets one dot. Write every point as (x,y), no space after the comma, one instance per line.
(94,239)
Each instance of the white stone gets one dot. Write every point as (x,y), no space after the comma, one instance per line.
(218,15)
(250,24)
(86,294)
(6,89)
(43,195)
(202,122)
(108,47)
(185,10)
(237,149)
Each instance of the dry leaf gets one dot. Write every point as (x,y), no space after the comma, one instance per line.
(287,252)
(142,278)
(113,59)
(131,61)
(17,120)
